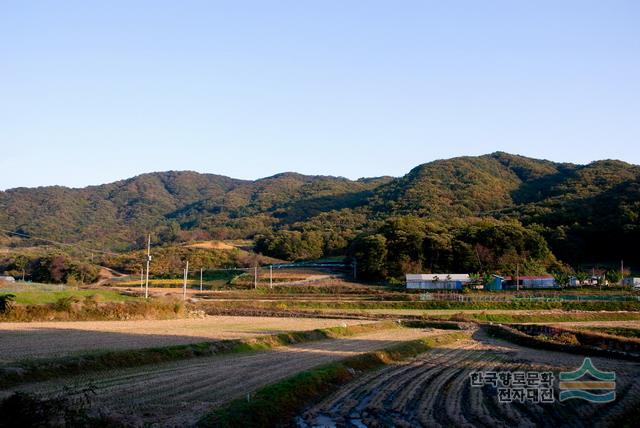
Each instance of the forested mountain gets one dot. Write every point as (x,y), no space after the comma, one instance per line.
(585,213)
(118,215)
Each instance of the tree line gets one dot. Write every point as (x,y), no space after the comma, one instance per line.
(54,268)
(413,244)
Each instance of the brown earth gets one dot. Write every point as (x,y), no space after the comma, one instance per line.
(179,393)
(434,390)
(51,339)
(211,245)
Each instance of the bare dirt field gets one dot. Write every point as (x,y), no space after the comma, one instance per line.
(179,393)
(216,245)
(50,339)
(434,389)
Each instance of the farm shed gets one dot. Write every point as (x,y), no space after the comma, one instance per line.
(495,284)
(634,282)
(437,281)
(545,281)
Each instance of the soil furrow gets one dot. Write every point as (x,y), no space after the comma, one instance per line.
(433,389)
(178,393)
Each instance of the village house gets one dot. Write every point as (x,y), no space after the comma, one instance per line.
(437,281)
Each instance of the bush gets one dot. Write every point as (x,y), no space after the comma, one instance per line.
(6,302)
(72,281)
(64,304)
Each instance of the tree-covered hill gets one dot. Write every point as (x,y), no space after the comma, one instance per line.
(175,205)
(461,186)
(585,213)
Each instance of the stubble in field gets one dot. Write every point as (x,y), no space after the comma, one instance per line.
(52,339)
(179,393)
(434,390)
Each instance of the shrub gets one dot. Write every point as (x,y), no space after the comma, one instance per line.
(6,302)
(64,304)
(178,308)
(72,281)
(92,300)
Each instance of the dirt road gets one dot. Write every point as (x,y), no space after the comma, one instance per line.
(51,339)
(434,390)
(178,394)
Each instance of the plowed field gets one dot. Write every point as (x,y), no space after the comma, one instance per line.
(434,390)
(178,394)
(52,339)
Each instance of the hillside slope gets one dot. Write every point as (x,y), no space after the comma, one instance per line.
(586,212)
(118,215)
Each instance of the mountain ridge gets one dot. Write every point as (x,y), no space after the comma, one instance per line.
(563,198)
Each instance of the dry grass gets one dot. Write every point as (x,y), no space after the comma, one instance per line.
(211,245)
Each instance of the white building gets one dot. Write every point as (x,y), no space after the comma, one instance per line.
(437,281)
(7,278)
(634,282)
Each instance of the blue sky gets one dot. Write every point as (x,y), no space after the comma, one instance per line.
(91,92)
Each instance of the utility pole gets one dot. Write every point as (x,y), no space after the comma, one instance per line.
(146,284)
(141,277)
(622,271)
(270,276)
(200,279)
(517,277)
(255,277)
(184,284)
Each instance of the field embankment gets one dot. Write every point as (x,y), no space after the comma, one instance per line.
(486,315)
(616,330)
(568,340)
(179,393)
(344,303)
(90,305)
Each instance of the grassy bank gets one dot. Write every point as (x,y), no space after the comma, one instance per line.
(42,369)
(553,343)
(276,404)
(615,331)
(43,297)
(432,305)
(442,325)
(490,315)
(92,307)
(548,317)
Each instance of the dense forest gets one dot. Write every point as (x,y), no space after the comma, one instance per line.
(472,214)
